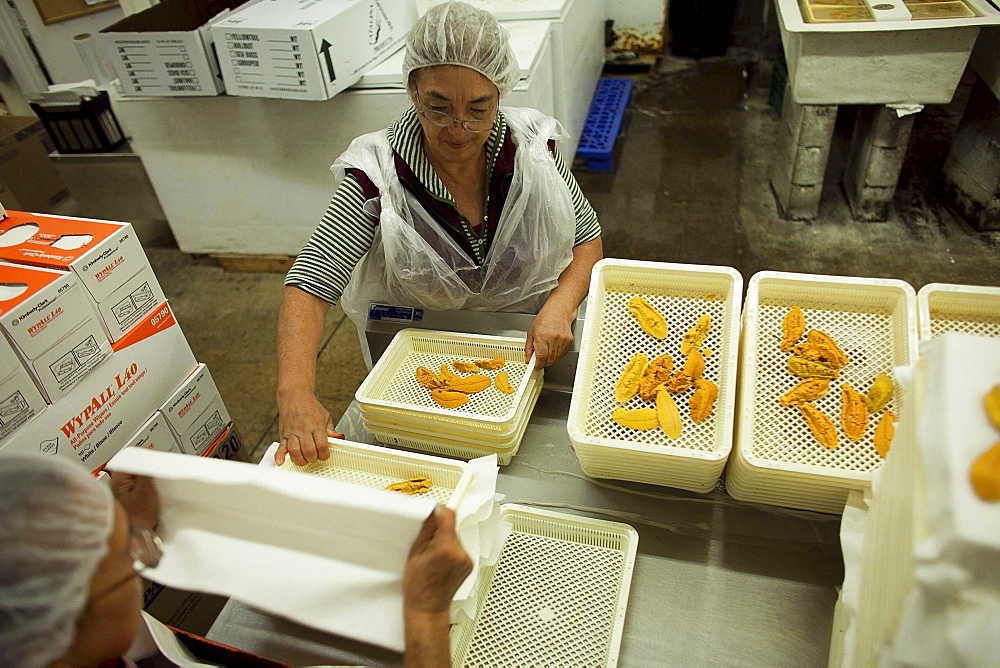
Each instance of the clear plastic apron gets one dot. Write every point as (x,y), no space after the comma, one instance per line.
(414,262)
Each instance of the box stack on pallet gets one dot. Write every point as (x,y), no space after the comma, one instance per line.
(92,356)
(92,360)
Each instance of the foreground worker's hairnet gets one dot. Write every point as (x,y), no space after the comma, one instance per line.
(455,33)
(55,520)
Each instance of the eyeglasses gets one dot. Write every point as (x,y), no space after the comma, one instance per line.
(144,547)
(443,120)
(145,550)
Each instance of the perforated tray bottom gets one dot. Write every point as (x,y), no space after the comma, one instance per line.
(556,597)
(781,434)
(621,338)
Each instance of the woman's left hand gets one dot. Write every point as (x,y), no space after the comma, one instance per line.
(550,336)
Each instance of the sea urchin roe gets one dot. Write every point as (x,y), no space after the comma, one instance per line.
(667,414)
(879,393)
(853,413)
(800,366)
(985,475)
(639,418)
(628,382)
(884,432)
(820,425)
(793,326)
(809,389)
(417,485)
(651,321)
(702,401)
(657,373)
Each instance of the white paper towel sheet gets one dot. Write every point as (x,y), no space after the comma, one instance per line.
(477,519)
(952,613)
(326,554)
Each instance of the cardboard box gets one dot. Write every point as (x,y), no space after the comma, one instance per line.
(28,179)
(228,446)
(189,611)
(307,49)
(20,400)
(105,255)
(155,435)
(196,412)
(99,416)
(167,49)
(52,326)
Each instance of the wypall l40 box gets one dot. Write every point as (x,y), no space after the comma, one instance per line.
(306,49)
(51,325)
(20,400)
(105,255)
(155,435)
(99,416)
(196,412)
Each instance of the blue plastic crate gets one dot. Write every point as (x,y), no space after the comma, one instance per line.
(604,122)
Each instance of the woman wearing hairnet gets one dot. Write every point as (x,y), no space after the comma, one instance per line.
(458,205)
(71,556)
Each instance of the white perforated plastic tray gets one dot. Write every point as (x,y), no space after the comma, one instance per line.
(490,433)
(377,467)
(418,437)
(438,431)
(391,383)
(946,307)
(682,293)
(874,323)
(556,597)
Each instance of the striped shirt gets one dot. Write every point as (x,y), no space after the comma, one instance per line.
(346,232)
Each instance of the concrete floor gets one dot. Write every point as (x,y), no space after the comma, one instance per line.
(690,184)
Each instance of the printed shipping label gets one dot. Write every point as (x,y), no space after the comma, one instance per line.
(389,313)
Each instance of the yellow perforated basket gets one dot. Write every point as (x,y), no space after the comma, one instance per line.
(681,293)
(874,322)
(947,307)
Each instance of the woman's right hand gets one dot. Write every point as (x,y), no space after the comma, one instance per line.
(303,428)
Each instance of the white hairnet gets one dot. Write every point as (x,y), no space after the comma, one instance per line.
(55,520)
(455,33)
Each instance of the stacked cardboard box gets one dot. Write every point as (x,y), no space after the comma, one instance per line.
(306,49)
(28,178)
(84,321)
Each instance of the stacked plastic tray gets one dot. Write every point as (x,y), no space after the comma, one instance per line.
(377,467)
(556,597)
(945,307)
(400,412)
(777,460)
(681,293)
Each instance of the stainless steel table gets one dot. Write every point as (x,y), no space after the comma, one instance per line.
(716,581)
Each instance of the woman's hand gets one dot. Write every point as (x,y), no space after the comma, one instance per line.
(303,428)
(138,497)
(550,335)
(436,567)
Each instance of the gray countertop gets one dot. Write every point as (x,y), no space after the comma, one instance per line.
(716,581)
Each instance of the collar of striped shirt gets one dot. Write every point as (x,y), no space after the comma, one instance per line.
(405,138)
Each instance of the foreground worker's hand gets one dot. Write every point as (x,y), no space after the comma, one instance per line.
(550,336)
(303,428)
(138,497)
(436,567)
